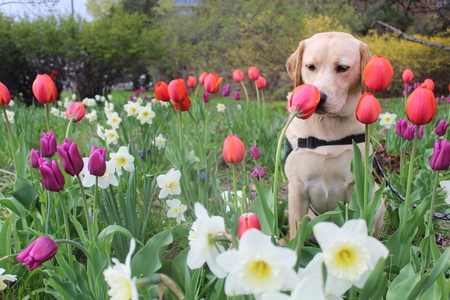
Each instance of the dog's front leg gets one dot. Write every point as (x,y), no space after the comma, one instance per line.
(298,208)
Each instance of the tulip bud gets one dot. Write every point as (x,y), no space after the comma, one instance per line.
(368,109)
(177,90)
(71,159)
(303,101)
(441,128)
(255,152)
(75,112)
(162,91)
(237,95)
(212,83)
(253,73)
(34,158)
(48,144)
(247,221)
(421,106)
(261,82)
(259,172)
(226,90)
(97,161)
(191,81)
(429,84)
(52,178)
(410,132)
(440,159)
(38,252)
(400,127)
(378,73)
(238,75)
(202,76)
(5,96)
(407,75)
(205,97)
(44,89)
(233,150)
(183,105)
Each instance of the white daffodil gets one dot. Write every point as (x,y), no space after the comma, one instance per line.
(74,97)
(121,285)
(139,100)
(97,97)
(101,132)
(146,114)
(169,183)
(288,96)
(5,277)
(164,103)
(220,107)
(56,112)
(239,106)
(258,266)
(446,186)
(108,108)
(12,103)
(59,103)
(110,97)
(226,197)
(113,120)
(10,116)
(160,141)
(122,159)
(67,102)
(109,178)
(102,99)
(176,210)
(131,108)
(111,136)
(202,248)
(349,254)
(89,102)
(387,120)
(154,101)
(92,116)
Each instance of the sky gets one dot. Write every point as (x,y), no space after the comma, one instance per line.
(64,7)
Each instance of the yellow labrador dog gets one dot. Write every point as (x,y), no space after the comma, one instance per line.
(318,167)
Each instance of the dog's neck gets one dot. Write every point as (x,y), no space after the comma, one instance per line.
(327,128)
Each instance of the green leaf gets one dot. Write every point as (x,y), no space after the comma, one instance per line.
(5,237)
(15,206)
(403,284)
(22,156)
(24,192)
(376,284)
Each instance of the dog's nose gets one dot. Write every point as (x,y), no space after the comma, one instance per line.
(323,98)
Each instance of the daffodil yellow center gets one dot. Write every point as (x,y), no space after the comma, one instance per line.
(121,161)
(387,120)
(345,256)
(145,114)
(170,184)
(260,268)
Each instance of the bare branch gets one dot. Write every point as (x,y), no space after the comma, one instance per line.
(34,2)
(410,38)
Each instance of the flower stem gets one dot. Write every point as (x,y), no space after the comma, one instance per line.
(47,217)
(246,94)
(68,127)
(410,174)
(86,210)
(433,201)
(11,145)
(235,197)
(66,225)
(73,243)
(206,122)
(95,203)
(366,173)
(257,93)
(275,175)
(47,114)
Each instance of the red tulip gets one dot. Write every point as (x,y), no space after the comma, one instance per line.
(183,105)
(162,91)
(421,106)
(177,90)
(212,83)
(191,81)
(75,112)
(233,150)
(368,109)
(44,89)
(5,96)
(261,82)
(378,73)
(253,73)
(202,76)
(303,101)
(407,75)
(247,221)
(238,75)
(429,83)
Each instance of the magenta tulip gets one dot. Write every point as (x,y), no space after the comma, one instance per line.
(38,252)
(52,178)
(48,144)
(71,159)
(97,161)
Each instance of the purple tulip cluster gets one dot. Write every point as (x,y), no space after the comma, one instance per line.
(440,159)
(406,130)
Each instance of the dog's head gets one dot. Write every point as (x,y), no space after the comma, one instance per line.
(334,63)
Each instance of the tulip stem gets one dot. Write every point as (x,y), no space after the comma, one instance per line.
(235,197)
(206,122)
(366,171)
(275,175)
(410,174)
(86,209)
(433,201)
(47,217)
(246,94)
(68,127)
(78,245)
(66,225)
(257,92)
(11,145)
(47,113)
(95,204)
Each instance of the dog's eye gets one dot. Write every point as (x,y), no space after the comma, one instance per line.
(311,67)
(342,69)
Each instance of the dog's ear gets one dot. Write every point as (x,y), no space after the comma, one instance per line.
(365,57)
(294,64)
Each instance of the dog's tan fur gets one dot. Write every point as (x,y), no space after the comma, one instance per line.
(333,62)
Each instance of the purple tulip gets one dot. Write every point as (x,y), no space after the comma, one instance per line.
(441,127)
(38,252)
(226,90)
(205,97)
(97,161)
(255,152)
(259,172)
(421,128)
(34,158)
(440,159)
(409,132)
(400,127)
(237,95)
(71,159)
(52,178)
(48,144)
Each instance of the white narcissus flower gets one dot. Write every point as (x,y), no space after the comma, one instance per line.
(169,183)
(89,102)
(54,111)
(121,285)
(109,178)
(349,254)
(5,277)
(131,108)
(387,120)
(202,248)
(220,107)
(108,108)
(146,114)
(11,103)
(101,132)
(160,141)
(176,210)
(164,103)
(111,136)
(92,116)
(9,115)
(445,184)
(113,120)
(258,266)
(122,159)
